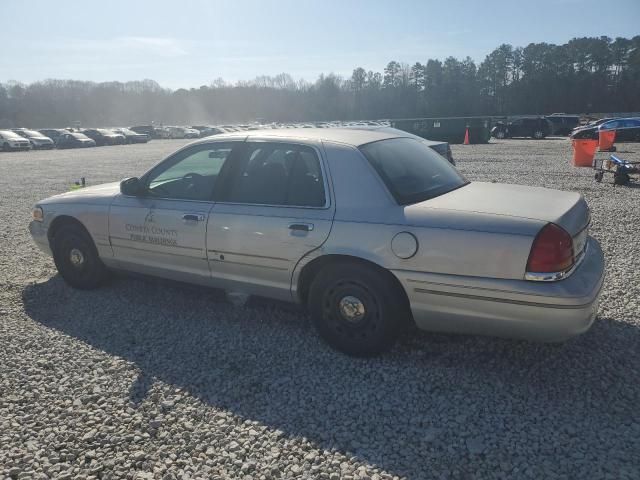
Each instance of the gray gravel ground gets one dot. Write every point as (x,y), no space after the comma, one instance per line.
(144,379)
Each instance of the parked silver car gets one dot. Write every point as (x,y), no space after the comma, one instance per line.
(367,228)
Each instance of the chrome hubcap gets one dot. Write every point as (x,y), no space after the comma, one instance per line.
(351,309)
(76,257)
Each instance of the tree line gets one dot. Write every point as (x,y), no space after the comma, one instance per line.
(584,75)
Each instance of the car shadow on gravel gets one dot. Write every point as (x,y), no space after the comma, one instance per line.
(435,399)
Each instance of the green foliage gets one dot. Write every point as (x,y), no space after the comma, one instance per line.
(582,76)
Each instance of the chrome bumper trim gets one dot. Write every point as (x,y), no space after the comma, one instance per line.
(555,276)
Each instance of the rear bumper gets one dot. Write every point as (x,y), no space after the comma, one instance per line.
(541,311)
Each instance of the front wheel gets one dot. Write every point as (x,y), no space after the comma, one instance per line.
(77,259)
(356,309)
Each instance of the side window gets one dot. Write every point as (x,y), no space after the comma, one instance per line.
(278,174)
(190,174)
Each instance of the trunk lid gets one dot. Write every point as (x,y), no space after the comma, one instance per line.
(569,210)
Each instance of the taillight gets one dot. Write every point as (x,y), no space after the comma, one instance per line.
(552,251)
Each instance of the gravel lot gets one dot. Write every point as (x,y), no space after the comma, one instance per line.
(145,379)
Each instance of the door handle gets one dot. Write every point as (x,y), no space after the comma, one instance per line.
(193,217)
(301,227)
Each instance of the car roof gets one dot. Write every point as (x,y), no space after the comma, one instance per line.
(350,136)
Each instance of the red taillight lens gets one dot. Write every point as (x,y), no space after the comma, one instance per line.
(552,251)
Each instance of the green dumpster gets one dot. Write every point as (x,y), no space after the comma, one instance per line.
(447,129)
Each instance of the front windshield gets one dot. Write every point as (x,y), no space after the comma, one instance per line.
(33,134)
(79,136)
(411,170)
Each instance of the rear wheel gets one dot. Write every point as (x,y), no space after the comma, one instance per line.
(356,309)
(538,134)
(6,147)
(77,259)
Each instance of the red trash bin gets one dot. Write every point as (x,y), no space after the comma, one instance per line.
(606,138)
(583,152)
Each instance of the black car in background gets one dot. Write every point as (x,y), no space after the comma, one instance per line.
(103,136)
(533,127)
(74,140)
(132,137)
(563,124)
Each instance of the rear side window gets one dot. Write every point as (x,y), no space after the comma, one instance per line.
(278,174)
(412,171)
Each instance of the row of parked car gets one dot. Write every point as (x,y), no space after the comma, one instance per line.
(48,138)
(628,129)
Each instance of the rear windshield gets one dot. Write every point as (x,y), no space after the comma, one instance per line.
(411,170)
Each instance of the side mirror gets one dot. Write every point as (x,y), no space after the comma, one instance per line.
(131,187)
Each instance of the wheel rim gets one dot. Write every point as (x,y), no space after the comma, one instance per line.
(538,134)
(351,311)
(76,257)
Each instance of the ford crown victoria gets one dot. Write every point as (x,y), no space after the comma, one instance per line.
(369,229)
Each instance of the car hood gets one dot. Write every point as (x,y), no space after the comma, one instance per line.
(94,194)
(505,206)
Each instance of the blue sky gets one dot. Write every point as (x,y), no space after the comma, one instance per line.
(188,43)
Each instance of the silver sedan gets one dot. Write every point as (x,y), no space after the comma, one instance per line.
(369,229)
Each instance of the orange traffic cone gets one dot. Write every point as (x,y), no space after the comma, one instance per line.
(466,136)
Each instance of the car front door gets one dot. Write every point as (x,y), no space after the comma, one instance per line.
(275,209)
(162,231)
(515,128)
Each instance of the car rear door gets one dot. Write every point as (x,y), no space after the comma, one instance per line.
(163,230)
(277,207)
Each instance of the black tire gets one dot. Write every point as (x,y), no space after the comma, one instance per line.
(598,176)
(500,135)
(368,332)
(538,134)
(621,178)
(77,259)
(6,147)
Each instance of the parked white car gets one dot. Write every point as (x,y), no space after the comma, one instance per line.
(181,132)
(12,141)
(368,228)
